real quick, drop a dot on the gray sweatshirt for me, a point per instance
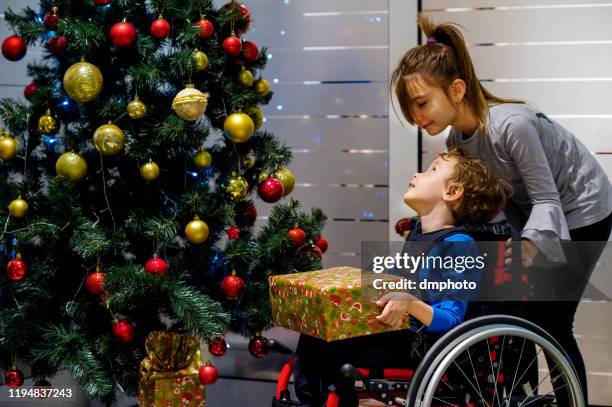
(557, 184)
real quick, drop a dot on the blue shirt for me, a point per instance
(448, 313)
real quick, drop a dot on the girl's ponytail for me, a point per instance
(440, 61)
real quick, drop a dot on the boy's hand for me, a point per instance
(396, 306)
(528, 252)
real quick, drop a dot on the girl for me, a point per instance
(560, 192)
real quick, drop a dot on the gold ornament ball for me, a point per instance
(264, 175)
(286, 178)
(248, 161)
(18, 207)
(136, 109)
(108, 139)
(71, 166)
(190, 104)
(237, 188)
(202, 158)
(200, 60)
(256, 115)
(239, 126)
(196, 231)
(262, 87)
(83, 81)
(245, 77)
(8, 146)
(149, 171)
(47, 124)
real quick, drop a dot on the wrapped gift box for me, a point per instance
(169, 372)
(330, 304)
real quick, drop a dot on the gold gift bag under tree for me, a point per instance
(329, 304)
(169, 372)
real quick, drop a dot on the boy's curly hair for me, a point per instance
(484, 194)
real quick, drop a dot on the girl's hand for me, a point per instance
(396, 306)
(528, 252)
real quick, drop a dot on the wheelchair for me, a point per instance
(493, 359)
(483, 362)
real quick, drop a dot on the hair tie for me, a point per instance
(431, 40)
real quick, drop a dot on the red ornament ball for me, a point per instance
(233, 233)
(310, 248)
(217, 346)
(14, 48)
(13, 378)
(206, 28)
(57, 45)
(95, 282)
(321, 243)
(208, 374)
(257, 346)
(29, 91)
(124, 331)
(270, 190)
(160, 28)
(248, 212)
(297, 235)
(232, 286)
(156, 265)
(123, 34)
(250, 52)
(101, 2)
(16, 268)
(232, 45)
(51, 19)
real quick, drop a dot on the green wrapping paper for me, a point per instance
(328, 304)
(169, 373)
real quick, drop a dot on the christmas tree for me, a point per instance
(127, 187)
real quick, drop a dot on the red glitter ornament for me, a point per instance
(232, 286)
(160, 28)
(217, 346)
(156, 265)
(95, 282)
(250, 52)
(297, 235)
(206, 28)
(123, 34)
(270, 190)
(57, 45)
(321, 243)
(51, 19)
(232, 45)
(257, 346)
(13, 377)
(124, 330)
(16, 268)
(208, 374)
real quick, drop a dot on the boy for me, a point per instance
(456, 189)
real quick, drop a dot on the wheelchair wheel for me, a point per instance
(493, 361)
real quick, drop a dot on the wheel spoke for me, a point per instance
(445, 402)
(495, 394)
(469, 381)
(526, 370)
(476, 377)
(499, 363)
(541, 381)
(543, 395)
(509, 397)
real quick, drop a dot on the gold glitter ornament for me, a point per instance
(109, 139)
(71, 166)
(190, 104)
(196, 231)
(245, 77)
(18, 207)
(47, 124)
(149, 171)
(136, 109)
(83, 81)
(239, 126)
(200, 60)
(262, 87)
(202, 158)
(248, 161)
(286, 178)
(256, 115)
(8, 146)
(237, 188)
